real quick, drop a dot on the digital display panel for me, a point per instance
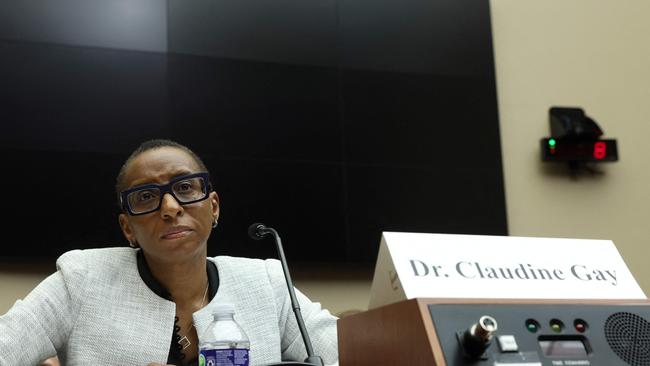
(563, 348)
(572, 150)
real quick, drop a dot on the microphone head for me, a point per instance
(255, 231)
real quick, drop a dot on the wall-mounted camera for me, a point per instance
(575, 139)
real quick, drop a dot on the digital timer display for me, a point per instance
(577, 150)
(564, 348)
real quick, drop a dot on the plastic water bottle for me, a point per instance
(224, 342)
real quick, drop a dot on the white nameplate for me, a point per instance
(412, 265)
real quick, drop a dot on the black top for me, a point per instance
(176, 355)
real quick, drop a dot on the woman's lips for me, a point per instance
(176, 232)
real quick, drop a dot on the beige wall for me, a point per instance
(589, 53)
(18, 279)
(339, 288)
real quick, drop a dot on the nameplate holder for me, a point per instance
(418, 265)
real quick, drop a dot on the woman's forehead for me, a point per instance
(159, 165)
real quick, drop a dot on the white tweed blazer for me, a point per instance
(96, 310)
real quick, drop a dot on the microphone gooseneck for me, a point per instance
(258, 231)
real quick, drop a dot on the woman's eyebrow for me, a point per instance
(180, 173)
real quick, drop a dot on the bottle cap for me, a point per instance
(223, 309)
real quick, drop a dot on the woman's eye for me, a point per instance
(145, 196)
(184, 186)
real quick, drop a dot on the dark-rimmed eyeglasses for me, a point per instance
(147, 198)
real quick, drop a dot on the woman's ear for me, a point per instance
(126, 228)
(214, 199)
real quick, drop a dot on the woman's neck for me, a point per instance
(186, 280)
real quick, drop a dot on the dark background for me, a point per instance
(330, 120)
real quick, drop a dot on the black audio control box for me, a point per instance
(545, 334)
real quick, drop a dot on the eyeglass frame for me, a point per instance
(164, 189)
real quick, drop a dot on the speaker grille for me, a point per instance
(629, 337)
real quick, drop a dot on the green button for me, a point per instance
(532, 328)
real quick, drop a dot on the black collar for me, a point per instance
(176, 356)
(158, 289)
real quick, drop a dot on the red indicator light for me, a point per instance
(600, 150)
(580, 325)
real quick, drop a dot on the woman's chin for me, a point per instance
(178, 248)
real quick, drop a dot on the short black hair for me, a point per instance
(151, 145)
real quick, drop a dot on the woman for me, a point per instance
(142, 305)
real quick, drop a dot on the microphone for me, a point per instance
(259, 231)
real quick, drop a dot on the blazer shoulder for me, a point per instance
(248, 270)
(243, 264)
(100, 261)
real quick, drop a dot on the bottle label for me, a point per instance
(224, 357)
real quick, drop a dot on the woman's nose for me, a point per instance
(169, 207)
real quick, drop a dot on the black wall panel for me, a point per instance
(61, 98)
(331, 120)
(125, 24)
(284, 31)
